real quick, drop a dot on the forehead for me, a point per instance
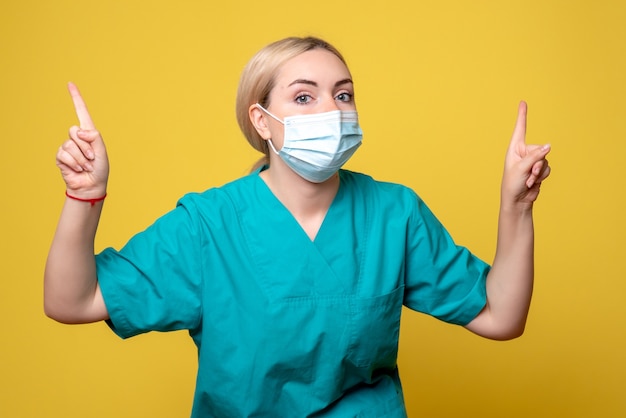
(317, 65)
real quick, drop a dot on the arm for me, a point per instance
(510, 281)
(71, 291)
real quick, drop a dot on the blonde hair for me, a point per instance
(259, 77)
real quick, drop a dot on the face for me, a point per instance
(315, 81)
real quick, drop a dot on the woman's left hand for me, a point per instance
(525, 166)
(510, 280)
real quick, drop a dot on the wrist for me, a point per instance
(87, 199)
(514, 206)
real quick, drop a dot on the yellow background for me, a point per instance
(438, 83)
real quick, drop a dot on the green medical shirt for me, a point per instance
(286, 326)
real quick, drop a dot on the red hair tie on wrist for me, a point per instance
(92, 201)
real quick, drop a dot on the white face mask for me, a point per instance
(316, 146)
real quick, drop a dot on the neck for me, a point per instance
(308, 202)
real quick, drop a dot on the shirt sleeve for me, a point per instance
(442, 279)
(154, 282)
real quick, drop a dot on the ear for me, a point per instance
(259, 121)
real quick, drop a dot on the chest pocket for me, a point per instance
(375, 329)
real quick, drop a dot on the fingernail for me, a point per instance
(89, 154)
(88, 167)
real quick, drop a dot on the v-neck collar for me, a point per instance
(276, 206)
(282, 251)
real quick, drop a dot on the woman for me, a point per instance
(291, 280)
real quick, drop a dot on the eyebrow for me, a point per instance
(313, 83)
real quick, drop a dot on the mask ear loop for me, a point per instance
(269, 113)
(269, 140)
(271, 144)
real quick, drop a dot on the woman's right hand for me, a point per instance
(83, 159)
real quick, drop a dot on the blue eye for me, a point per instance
(344, 97)
(303, 99)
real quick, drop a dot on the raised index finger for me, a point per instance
(81, 108)
(519, 134)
